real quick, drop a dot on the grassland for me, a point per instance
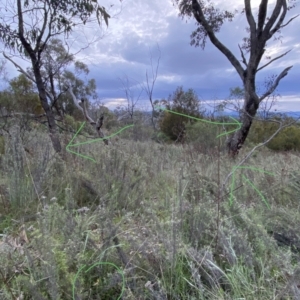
(147, 221)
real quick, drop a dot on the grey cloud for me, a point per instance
(207, 71)
(142, 24)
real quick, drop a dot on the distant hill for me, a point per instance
(292, 114)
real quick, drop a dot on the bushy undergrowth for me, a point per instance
(287, 139)
(147, 221)
(203, 134)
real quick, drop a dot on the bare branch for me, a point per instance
(76, 103)
(289, 21)
(243, 57)
(262, 13)
(149, 86)
(88, 118)
(267, 32)
(273, 60)
(250, 20)
(149, 89)
(199, 16)
(281, 19)
(275, 84)
(19, 68)
(54, 99)
(132, 100)
(85, 113)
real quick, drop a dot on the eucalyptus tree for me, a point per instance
(263, 25)
(55, 61)
(60, 70)
(26, 27)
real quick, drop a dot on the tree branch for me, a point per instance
(262, 13)
(275, 84)
(88, 118)
(281, 19)
(56, 98)
(243, 57)
(150, 87)
(85, 113)
(76, 103)
(251, 21)
(273, 60)
(20, 17)
(289, 21)
(275, 14)
(25, 44)
(40, 36)
(19, 68)
(149, 90)
(199, 16)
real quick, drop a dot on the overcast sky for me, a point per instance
(141, 26)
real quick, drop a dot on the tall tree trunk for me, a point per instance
(251, 104)
(49, 114)
(35, 56)
(54, 103)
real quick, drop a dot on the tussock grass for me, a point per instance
(156, 213)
